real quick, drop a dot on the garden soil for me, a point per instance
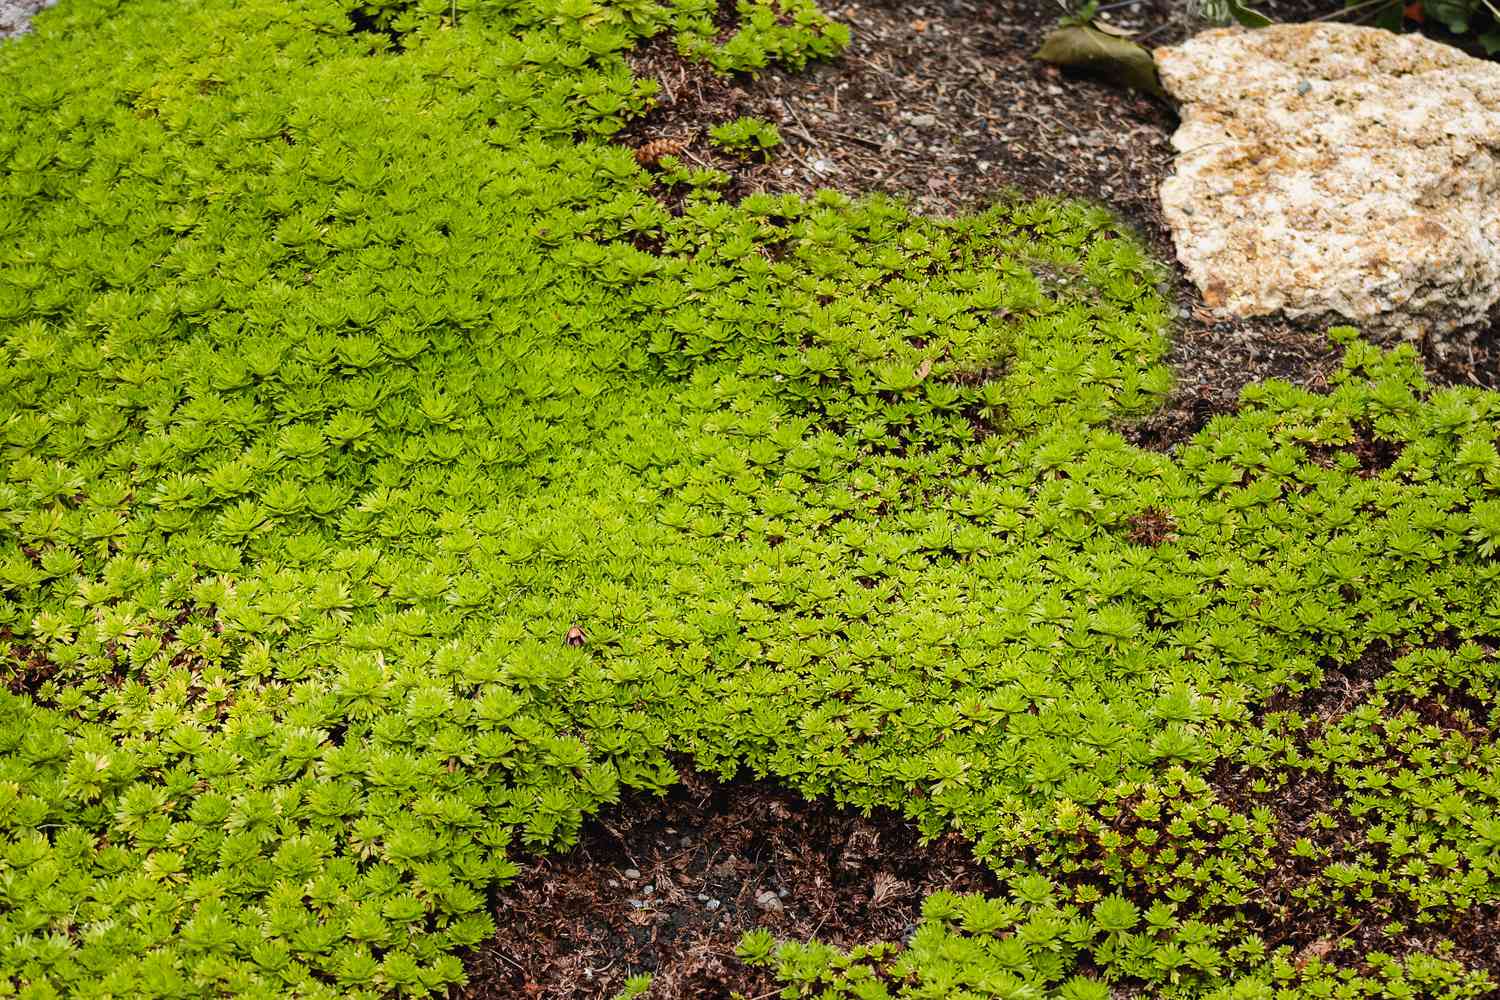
(671, 884)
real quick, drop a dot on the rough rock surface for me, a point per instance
(1331, 168)
(16, 15)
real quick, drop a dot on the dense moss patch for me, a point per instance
(390, 479)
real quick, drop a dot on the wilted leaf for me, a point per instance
(1084, 47)
(1246, 16)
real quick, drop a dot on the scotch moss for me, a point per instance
(347, 368)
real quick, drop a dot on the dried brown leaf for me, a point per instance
(887, 887)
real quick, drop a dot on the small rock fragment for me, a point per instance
(631, 873)
(768, 901)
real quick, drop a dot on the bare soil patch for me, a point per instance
(670, 885)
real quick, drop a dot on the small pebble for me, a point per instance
(649, 889)
(768, 901)
(703, 897)
(1303, 87)
(712, 904)
(636, 904)
(783, 893)
(614, 883)
(924, 120)
(631, 873)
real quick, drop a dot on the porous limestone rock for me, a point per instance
(16, 15)
(1336, 168)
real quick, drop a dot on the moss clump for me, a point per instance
(339, 386)
(746, 137)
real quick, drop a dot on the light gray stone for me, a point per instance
(16, 15)
(1333, 168)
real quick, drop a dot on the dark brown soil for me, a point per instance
(1308, 797)
(1282, 915)
(1372, 455)
(1342, 687)
(1309, 806)
(942, 102)
(710, 861)
(29, 675)
(29, 671)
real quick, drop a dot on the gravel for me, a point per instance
(16, 15)
(769, 901)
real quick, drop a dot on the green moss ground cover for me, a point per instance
(347, 367)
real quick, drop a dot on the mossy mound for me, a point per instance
(348, 371)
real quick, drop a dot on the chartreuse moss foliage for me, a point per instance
(746, 136)
(340, 383)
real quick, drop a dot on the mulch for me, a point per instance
(669, 885)
(941, 103)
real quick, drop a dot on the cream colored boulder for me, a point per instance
(1331, 168)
